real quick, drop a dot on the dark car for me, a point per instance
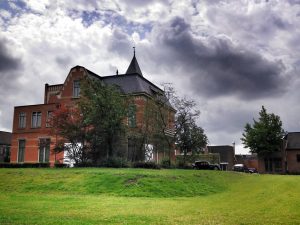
(252, 170)
(205, 165)
(243, 168)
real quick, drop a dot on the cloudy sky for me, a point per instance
(231, 56)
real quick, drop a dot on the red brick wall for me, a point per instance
(291, 158)
(251, 163)
(32, 147)
(31, 135)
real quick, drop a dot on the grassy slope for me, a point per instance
(131, 196)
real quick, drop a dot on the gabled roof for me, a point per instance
(134, 67)
(133, 84)
(293, 140)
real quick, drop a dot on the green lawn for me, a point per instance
(136, 196)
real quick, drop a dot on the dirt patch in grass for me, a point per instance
(133, 181)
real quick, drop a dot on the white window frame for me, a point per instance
(24, 148)
(44, 148)
(22, 120)
(36, 119)
(76, 89)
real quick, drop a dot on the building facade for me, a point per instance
(5, 143)
(33, 141)
(285, 161)
(226, 153)
(292, 153)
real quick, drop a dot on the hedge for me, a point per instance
(24, 165)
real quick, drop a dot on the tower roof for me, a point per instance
(134, 66)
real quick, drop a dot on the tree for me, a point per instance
(103, 109)
(198, 139)
(67, 123)
(189, 137)
(91, 126)
(154, 133)
(265, 135)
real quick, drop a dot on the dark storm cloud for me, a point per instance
(216, 67)
(294, 2)
(9, 70)
(11, 86)
(236, 118)
(7, 62)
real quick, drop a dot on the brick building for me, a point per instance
(226, 153)
(287, 160)
(33, 142)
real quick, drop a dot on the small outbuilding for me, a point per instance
(226, 153)
(5, 143)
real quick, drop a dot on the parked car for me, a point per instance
(243, 168)
(205, 165)
(252, 170)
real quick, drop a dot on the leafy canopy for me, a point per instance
(103, 109)
(189, 136)
(265, 135)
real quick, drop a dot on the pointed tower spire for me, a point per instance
(134, 66)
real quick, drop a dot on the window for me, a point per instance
(298, 157)
(268, 165)
(76, 88)
(49, 119)
(44, 150)
(22, 120)
(36, 119)
(277, 164)
(132, 116)
(21, 151)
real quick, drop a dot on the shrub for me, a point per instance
(146, 165)
(84, 164)
(61, 165)
(166, 163)
(24, 165)
(115, 162)
(181, 165)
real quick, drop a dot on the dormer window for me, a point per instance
(76, 88)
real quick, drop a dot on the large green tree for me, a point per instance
(103, 109)
(265, 135)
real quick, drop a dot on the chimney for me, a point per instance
(46, 93)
